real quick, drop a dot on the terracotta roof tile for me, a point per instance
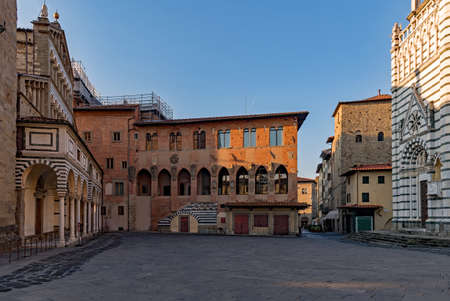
(300, 179)
(371, 167)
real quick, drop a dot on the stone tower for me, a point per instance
(8, 90)
(420, 77)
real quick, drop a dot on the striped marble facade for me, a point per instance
(420, 68)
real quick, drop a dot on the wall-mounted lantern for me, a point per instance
(2, 27)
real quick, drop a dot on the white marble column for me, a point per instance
(95, 218)
(84, 218)
(72, 219)
(89, 217)
(78, 217)
(62, 241)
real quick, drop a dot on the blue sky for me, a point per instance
(207, 57)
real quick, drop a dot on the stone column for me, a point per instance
(84, 218)
(72, 219)
(95, 218)
(62, 241)
(89, 215)
(78, 217)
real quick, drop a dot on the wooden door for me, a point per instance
(241, 224)
(38, 219)
(281, 225)
(423, 202)
(184, 223)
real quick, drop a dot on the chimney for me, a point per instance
(379, 92)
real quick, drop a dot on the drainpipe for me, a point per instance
(128, 173)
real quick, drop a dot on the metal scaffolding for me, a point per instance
(147, 102)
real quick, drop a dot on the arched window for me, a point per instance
(204, 182)
(224, 181)
(164, 179)
(154, 142)
(380, 136)
(242, 181)
(184, 182)
(358, 138)
(199, 140)
(172, 141)
(143, 183)
(179, 142)
(261, 181)
(281, 180)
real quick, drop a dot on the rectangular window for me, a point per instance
(78, 155)
(260, 220)
(103, 210)
(328, 176)
(250, 137)
(223, 139)
(124, 164)
(136, 136)
(349, 198)
(365, 179)
(276, 136)
(118, 188)
(120, 210)
(304, 191)
(365, 197)
(110, 163)
(116, 136)
(380, 179)
(87, 136)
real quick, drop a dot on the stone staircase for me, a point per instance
(400, 239)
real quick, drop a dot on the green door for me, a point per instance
(364, 223)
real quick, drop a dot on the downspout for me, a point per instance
(357, 188)
(128, 173)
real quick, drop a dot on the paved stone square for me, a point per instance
(144, 266)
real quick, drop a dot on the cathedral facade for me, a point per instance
(421, 118)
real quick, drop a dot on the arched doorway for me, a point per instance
(203, 182)
(184, 182)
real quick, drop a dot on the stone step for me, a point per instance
(401, 239)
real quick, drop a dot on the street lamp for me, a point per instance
(2, 27)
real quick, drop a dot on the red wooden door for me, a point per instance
(281, 224)
(184, 223)
(241, 224)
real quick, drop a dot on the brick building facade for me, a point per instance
(233, 174)
(362, 136)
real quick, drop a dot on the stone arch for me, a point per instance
(24, 166)
(242, 181)
(164, 183)
(204, 182)
(143, 182)
(412, 151)
(184, 182)
(39, 196)
(224, 181)
(281, 180)
(261, 181)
